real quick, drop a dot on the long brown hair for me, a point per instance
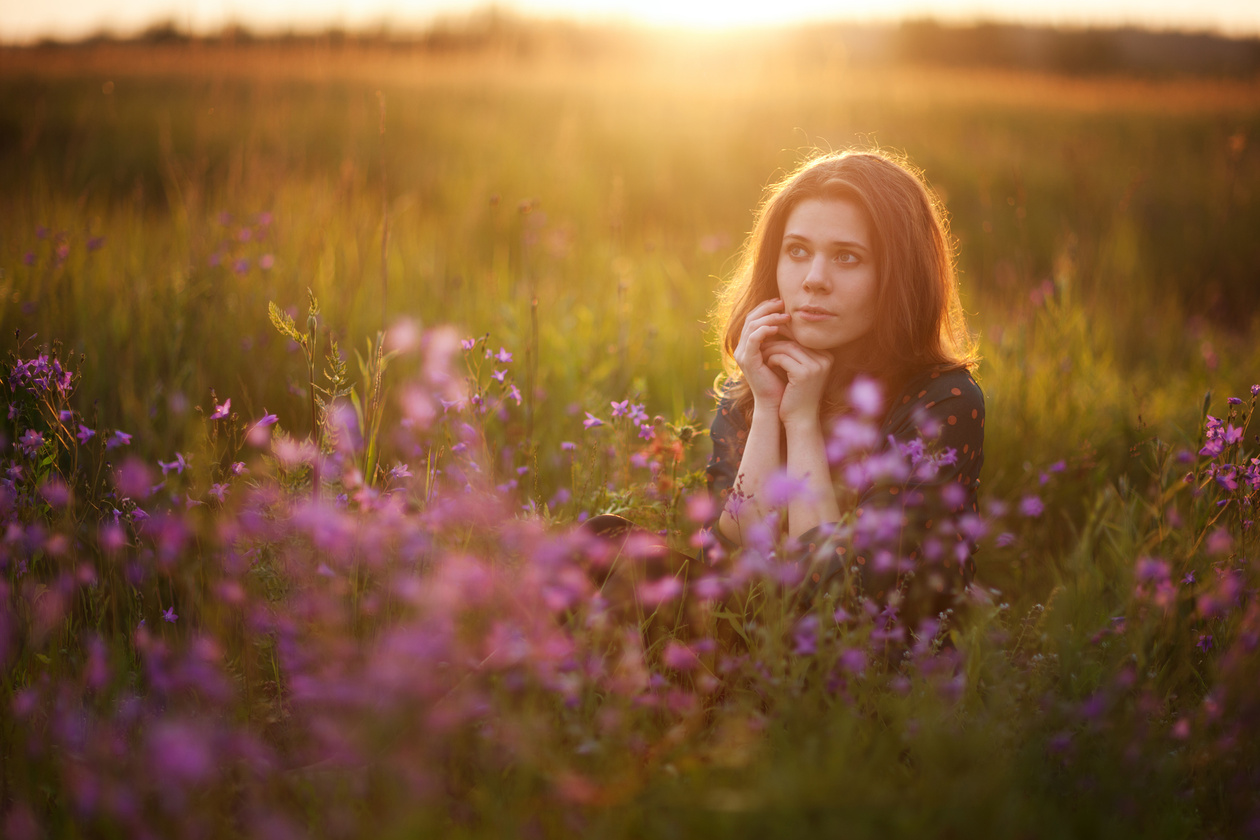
(919, 322)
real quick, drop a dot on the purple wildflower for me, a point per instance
(221, 411)
(503, 356)
(468, 343)
(30, 442)
(679, 657)
(853, 660)
(647, 431)
(1031, 506)
(1234, 401)
(806, 636)
(267, 420)
(567, 446)
(1151, 569)
(866, 396)
(654, 593)
(169, 615)
(1205, 642)
(591, 421)
(498, 375)
(119, 438)
(178, 464)
(620, 409)
(514, 393)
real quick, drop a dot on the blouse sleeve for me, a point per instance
(728, 433)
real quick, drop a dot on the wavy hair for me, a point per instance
(919, 323)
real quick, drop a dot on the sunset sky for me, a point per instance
(20, 21)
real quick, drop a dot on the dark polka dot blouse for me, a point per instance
(943, 410)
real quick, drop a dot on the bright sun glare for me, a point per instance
(73, 18)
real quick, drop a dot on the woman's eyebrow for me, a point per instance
(845, 243)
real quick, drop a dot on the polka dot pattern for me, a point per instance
(945, 408)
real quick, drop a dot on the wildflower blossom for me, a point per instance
(30, 442)
(169, 615)
(853, 660)
(117, 439)
(177, 465)
(679, 657)
(806, 636)
(866, 396)
(468, 343)
(620, 409)
(221, 411)
(1031, 506)
(591, 421)
(654, 593)
(503, 356)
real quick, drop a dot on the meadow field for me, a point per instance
(317, 355)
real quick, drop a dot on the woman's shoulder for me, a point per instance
(929, 388)
(948, 399)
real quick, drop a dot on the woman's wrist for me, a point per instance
(802, 423)
(765, 411)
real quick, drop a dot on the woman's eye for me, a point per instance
(796, 251)
(846, 257)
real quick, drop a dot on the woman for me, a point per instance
(848, 279)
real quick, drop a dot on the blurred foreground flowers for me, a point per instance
(279, 635)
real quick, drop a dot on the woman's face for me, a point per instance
(826, 273)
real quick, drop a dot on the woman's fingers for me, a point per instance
(792, 358)
(766, 312)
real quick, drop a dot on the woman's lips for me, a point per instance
(814, 313)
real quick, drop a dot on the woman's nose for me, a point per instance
(816, 279)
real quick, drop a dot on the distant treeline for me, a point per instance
(1074, 51)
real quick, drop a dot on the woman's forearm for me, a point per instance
(816, 503)
(760, 460)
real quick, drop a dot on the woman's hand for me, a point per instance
(756, 341)
(806, 371)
